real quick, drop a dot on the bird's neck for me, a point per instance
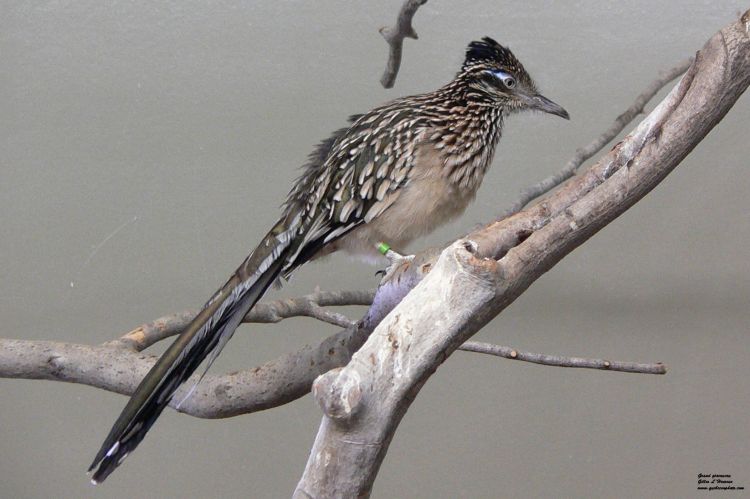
(466, 132)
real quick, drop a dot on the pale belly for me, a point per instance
(425, 204)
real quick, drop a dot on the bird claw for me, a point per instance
(398, 262)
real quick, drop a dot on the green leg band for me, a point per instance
(383, 248)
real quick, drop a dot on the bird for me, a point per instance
(392, 175)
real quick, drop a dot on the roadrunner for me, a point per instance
(394, 174)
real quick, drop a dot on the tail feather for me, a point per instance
(204, 337)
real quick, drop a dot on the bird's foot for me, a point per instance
(398, 263)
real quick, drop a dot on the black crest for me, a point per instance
(488, 51)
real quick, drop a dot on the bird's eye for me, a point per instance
(506, 78)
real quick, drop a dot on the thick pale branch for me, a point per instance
(395, 37)
(474, 280)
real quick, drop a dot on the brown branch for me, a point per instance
(559, 361)
(584, 153)
(310, 305)
(120, 370)
(395, 37)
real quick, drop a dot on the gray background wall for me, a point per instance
(146, 147)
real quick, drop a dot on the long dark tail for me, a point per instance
(206, 334)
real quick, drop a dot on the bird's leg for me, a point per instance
(397, 261)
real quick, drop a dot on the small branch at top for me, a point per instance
(395, 37)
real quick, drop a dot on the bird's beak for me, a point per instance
(542, 103)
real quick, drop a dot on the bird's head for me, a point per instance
(494, 72)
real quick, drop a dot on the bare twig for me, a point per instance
(304, 306)
(310, 305)
(317, 312)
(559, 361)
(395, 37)
(596, 145)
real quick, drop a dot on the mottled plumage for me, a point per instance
(394, 174)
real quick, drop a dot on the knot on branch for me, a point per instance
(338, 393)
(469, 259)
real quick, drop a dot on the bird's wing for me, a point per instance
(361, 177)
